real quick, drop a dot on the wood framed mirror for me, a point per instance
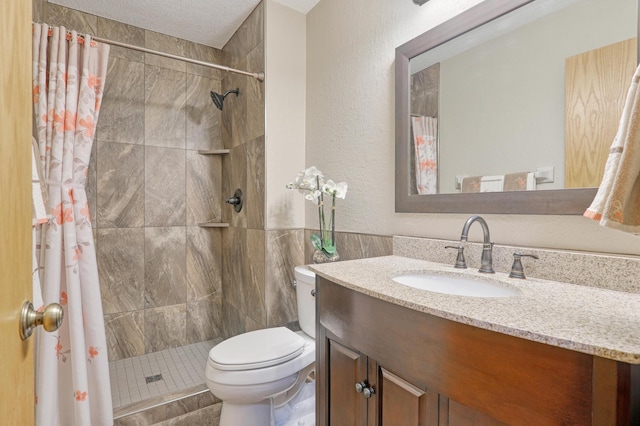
(571, 201)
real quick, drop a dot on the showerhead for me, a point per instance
(218, 99)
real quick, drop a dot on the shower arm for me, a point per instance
(259, 75)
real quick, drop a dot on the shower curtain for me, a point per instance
(72, 371)
(425, 141)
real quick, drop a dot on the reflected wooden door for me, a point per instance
(596, 88)
(16, 368)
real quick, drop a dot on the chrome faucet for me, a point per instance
(486, 261)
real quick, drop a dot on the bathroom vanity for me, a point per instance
(554, 353)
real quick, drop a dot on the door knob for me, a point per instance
(50, 318)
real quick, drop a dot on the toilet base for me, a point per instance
(256, 414)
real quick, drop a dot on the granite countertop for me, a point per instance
(595, 321)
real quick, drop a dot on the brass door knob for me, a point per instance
(50, 318)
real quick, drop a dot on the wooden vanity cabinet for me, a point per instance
(425, 370)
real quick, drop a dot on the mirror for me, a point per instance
(454, 58)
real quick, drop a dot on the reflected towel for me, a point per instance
(482, 184)
(470, 184)
(38, 190)
(617, 202)
(523, 181)
(492, 183)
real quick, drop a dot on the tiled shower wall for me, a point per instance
(160, 274)
(258, 264)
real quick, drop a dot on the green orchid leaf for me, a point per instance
(316, 241)
(329, 249)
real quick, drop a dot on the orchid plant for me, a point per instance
(310, 182)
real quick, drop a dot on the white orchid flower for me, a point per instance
(339, 190)
(310, 183)
(313, 196)
(307, 180)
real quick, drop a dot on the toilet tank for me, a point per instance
(306, 284)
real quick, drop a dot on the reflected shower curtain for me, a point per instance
(425, 137)
(72, 371)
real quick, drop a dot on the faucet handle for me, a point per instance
(516, 269)
(460, 261)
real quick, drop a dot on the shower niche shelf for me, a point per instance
(213, 225)
(214, 152)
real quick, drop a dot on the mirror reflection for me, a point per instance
(530, 101)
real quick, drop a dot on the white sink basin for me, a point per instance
(455, 285)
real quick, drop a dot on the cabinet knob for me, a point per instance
(366, 390)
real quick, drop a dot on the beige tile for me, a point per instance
(165, 266)
(235, 177)
(204, 53)
(254, 93)
(253, 287)
(165, 183)
(204, 186)
(233, 322)
(120, 256)
(120, 185)
(285, 251)
(207, 416)
(165, 107)
(204, 319)
(122, 113)
(353, 246)
(38, 10)
(203, 129)
(166, 44)
(165, 327)
(248, 36)
(69, 18)
(234, 255)
(117, 31)
(125, 334)
(255, 190)
(204, 263)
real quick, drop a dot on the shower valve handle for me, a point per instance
(236, 201)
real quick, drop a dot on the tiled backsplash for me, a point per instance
(611, 272)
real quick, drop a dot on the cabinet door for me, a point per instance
(452, 413)
(403, 404)
(346, 368)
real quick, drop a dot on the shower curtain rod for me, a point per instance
(258, 75)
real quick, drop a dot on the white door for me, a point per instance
(16, 365)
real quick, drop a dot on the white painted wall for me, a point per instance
(285, 98)
(350, 129)
(485, 86)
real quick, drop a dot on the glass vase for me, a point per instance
(320, 257)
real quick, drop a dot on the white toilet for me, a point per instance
(256, 372)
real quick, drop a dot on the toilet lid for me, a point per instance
(257, 349)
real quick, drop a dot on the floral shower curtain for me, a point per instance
(425, 141)
(72, 371)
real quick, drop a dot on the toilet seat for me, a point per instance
(256, 376)
(257, 349)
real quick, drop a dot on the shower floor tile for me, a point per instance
(159, 373)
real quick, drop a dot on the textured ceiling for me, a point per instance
(209, 22)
